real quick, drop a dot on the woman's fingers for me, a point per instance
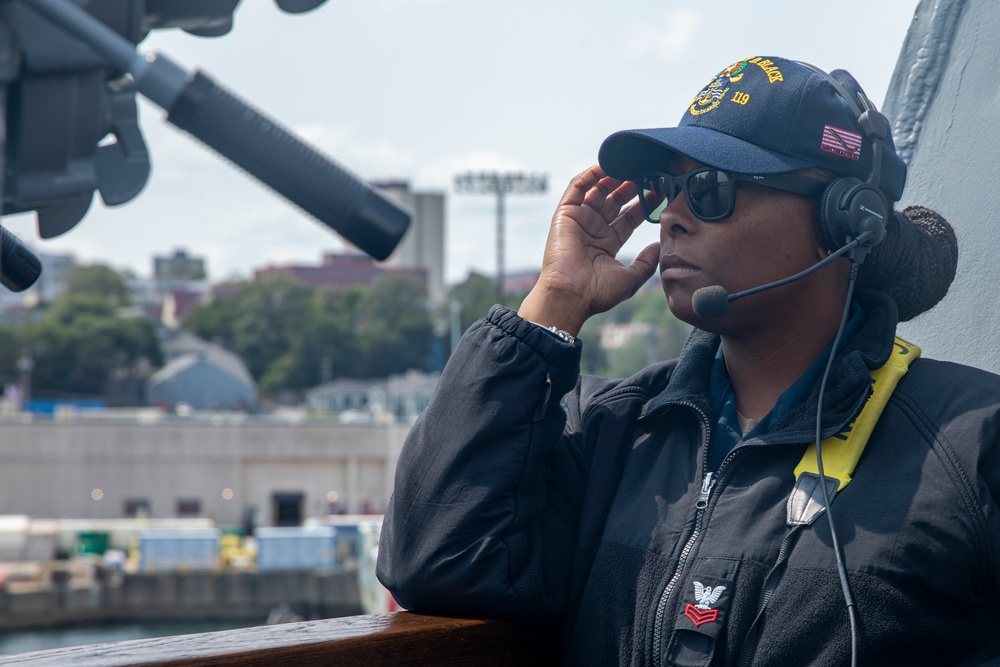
(581, 184)
(629, 219)
(608, 196)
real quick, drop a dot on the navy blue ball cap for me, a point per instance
(762, 115)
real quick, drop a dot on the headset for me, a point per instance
(852, 220)
(852, 212)
(850, 206)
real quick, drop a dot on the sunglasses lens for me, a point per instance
(710, 194)
(654, 200)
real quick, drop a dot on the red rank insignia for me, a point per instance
(700, 617)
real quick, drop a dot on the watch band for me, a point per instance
(565, 336)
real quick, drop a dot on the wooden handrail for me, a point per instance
(401, 638)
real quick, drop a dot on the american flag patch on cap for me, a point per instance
(841, 142)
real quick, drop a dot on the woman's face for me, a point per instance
(770, 235)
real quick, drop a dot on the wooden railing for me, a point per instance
(401, 638)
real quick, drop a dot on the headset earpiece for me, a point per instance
(850, 206)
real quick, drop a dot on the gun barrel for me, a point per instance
(251, 140)
(279, 159)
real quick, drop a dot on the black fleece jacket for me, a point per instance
(596, 511)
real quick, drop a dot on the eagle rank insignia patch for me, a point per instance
(706, 596)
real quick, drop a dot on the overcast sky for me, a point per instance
(421, 90)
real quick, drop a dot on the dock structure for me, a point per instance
(233, 469)
(67, 593)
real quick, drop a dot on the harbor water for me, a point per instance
(23, 641)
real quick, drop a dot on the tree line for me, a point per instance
(657, 336)
(86, 343)
(91, 338)
(292, 337)
(92, 342)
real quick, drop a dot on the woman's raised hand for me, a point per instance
(580, 275)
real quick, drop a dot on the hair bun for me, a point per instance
(915, 264)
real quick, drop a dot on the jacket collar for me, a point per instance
(847, 389)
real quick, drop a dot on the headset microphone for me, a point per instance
(713, 301)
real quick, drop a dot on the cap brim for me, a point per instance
(629, 154)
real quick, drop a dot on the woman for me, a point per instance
(679, 516)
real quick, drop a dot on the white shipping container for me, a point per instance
(13, 536)
(42, 538)
(169, 550)
(296, 548)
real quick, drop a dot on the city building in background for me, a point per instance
(56, 269)
(396, 399)
(180, 267)
(339, 270)
(179, 283)
(424, 243)
(520, 282)
(16, 307)
(188, 457)
(351, 398)
(177, 303)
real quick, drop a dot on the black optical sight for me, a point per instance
(68, 83)
(19, 265)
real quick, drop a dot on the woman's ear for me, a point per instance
(822, 249)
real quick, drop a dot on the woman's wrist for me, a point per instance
(554, 312)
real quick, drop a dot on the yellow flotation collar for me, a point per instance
(842, 451)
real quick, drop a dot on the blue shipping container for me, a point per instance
(169, 550)
(296, 548)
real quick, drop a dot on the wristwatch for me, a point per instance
(564, 336)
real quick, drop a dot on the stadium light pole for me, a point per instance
(500, 185)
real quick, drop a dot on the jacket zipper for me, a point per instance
(708, 481)
(706, 489)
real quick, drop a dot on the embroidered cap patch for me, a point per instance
(841, 142)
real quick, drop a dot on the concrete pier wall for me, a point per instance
(102, 469)
(175, 596)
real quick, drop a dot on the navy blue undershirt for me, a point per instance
(726, 435)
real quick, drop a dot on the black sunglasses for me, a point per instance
(711, 193)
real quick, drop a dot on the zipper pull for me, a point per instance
(706, 489)
(543, 406)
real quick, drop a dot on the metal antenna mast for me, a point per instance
(500, 185)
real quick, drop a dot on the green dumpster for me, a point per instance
(92, 542)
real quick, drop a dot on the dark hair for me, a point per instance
(916, 262)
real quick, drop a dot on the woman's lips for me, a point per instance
(673, 267)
